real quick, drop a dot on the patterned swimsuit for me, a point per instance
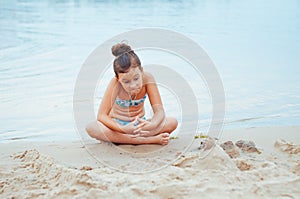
(127, 104)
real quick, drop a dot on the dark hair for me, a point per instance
(125, 58)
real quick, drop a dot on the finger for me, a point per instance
(144, 121)
(141, 120)
(140, 125)
(135, 120)
(138, 130)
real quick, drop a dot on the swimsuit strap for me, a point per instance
(130, 102)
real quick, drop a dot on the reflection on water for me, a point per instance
(254, 45)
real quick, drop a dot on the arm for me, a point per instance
(106, 105)
(156, 104)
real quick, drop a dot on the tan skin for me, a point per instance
(134, 84)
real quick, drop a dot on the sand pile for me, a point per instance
(36, 175)
(287, 147)
(208, 172)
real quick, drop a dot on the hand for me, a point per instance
(134, 127)
(144, 128)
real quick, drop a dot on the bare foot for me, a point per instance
(162, 138)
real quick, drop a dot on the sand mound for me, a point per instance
(287, 147)
(216, 159)
(205, 173)
(39, 176)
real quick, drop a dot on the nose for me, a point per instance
(132, 85)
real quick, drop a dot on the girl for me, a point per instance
(120, 117)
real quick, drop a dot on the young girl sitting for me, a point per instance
(120, 117)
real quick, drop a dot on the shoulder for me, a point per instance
(113, 86)
(148, 78)
(113, 82)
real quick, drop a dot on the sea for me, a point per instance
(254, 46)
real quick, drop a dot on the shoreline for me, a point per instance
(67, 169)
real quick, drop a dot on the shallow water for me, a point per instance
(254, 45)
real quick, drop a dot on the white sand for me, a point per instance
(67, 170)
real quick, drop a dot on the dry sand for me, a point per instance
(68, 170)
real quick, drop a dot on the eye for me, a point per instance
(136, 77)
(126, 82)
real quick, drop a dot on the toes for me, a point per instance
(164, 135)
(165, 139)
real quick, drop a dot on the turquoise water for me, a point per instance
(254, 44)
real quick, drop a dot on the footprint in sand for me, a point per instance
(230, 149)
(247, 146)
(287, 147)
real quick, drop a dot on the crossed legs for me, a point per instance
(99, 131)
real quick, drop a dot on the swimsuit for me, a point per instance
(127, 104)
(123, 122)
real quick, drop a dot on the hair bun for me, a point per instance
(120, 48)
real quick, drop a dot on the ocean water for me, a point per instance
(255, 46)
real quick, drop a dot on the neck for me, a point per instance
(132, 97)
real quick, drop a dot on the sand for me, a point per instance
(68, 169)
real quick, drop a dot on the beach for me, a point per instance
(45, 151)
(68, 170)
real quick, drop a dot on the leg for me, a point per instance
(99, 131)
(170, 125)
(167, 126)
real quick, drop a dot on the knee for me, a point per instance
(90, 129)
(172, 124)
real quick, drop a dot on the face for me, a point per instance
(132, 81)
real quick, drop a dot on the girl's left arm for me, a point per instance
(155, 101)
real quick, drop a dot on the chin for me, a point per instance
(135, 91)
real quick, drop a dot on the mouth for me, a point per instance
(135, 91)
